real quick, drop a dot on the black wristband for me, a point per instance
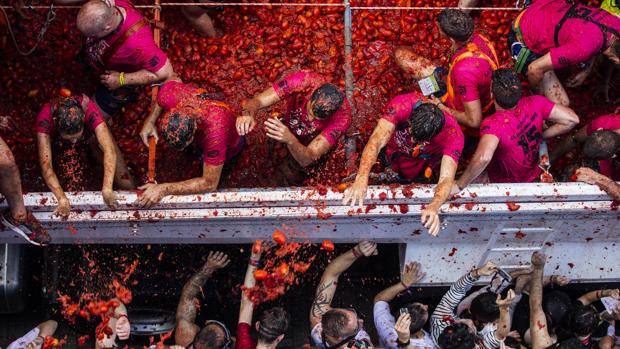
(400, 344)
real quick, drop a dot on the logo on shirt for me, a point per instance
(154, 61)
(564, 61)
(462, 90)
(213, 153)
(283, 84)
(44, 124)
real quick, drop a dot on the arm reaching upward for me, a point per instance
(186, 311)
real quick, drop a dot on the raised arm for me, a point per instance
(246, 309)
(186, 330)
(538, 322)
(247, 120)
(106, 143)
(379, 139)
(410, 275)
(153, 193)
(479, 162)
(430, 215)
(329, 281)
(594, 296)
(49, 176)
(564, 119)
(46, 329)
(505, 320)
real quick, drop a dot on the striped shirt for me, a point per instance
(444, 314)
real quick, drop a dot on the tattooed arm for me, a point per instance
(327, 286)
(186, 330)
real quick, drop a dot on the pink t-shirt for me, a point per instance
(520, 133)
(471, 77)
(216, 135)
(92, 118)
(578, 39)
(611, 122)
(400, 150)
(138, 52)
(297, 88)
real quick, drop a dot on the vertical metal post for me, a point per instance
(157, 38)
(350, 142)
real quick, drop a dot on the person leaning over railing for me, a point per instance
(317, 115)
(419, 139)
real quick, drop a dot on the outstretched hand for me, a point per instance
(367, 248)
(412, 274)
(217, 261)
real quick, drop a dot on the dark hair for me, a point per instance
(68, 115)
(484, 308)
(601, 145)
(512, 342)
(556, 304)
(178, 128)
(456, 336)
(582, 320)
(456, 24)
(326, 100)
(418, 317)
(209, 338)
(571, 343)
(506, 88)
(334, 323)
(273, 323)
(426, 121)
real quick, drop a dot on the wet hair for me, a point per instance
(506, 88)
(94, 17)
(601, 145)
(178, 127)
(68, 115)
(484, 308)
(556, 304)
(273, 323)
(426, 121)
(456, 24)
(326, 100)
(418, 317)
(210, 338)
(582, 320)
(456, 336)
(334, 323)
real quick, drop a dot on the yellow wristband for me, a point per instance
(121, 78)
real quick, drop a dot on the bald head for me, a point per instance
(96, 19)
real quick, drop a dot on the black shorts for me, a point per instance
(512, 39)
(111, 101)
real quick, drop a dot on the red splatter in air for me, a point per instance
(82, 340)
(50, 342)
(327, 245)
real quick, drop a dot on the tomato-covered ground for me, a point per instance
(259, 44)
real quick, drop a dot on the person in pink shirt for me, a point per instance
(317, 115)
(120, 46)
(510, 138)
(77, 119)
(556, 34)
(466, 91)
(191, 117)
(420, 139)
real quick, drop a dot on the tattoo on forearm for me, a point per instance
(187, 304)
(322, 299)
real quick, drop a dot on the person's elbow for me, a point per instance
(207, 184)
(165, 73)
(572, 120)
